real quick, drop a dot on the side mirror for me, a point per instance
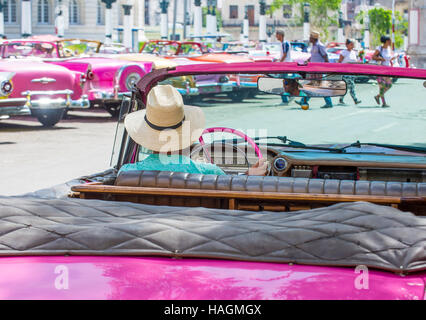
(302, 88)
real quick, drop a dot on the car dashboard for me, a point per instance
(373, 164)
(350, 166)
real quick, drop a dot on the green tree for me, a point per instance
(324, 13)
(381, 24)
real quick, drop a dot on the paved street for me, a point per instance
(403, 123)
(33, 157)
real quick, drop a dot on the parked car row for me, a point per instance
(64, 74)
(47, 76)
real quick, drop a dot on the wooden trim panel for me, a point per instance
(246, 195)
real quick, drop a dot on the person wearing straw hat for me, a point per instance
(169, 128)
(318, 54)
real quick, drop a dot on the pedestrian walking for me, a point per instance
(285, 46)
(384, 56)
(318, 54)
(349, 56)
(284, 57)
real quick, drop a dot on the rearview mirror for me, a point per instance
(302, 87)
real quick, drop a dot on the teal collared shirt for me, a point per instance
(174, 163)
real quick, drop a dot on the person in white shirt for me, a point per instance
(384, 56)
(349, 56)
(285, 56)
(285, 46)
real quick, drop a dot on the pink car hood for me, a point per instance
(187, 279)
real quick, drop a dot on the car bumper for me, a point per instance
(215, 88)
(46, 100)
(188, 92)
(245, 82)
(251, 85)
(100, 95)
(20, 110)
(207, 88)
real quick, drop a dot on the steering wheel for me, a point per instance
(249, 140)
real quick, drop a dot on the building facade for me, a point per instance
(234, 12)
(86, 18)
(417, 33)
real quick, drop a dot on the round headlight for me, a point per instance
(131, 80)
(90, 75)
(280, 164)
(6, 87)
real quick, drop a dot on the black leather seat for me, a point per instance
(179, 180)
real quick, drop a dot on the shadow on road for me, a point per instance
(28, 123)
(31, 126)
(370, 107)
(87, 118)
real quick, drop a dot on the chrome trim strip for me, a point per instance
(47, 93)
(44, 80)
(15, 111)
(215, 84)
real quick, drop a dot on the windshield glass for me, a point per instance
(114, 48)
(77, 47)
(271, 47)
(234, 101)
(160, 48)
(29, 49)
(190, 49)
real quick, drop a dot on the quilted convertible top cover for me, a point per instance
(347, 234)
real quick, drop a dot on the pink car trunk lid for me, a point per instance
(187, 279)
(37, 76)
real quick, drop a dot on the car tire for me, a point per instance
(362, 79)
(192, 99)
(65, 114)
(252, 94)
(113, 109)
(48, 117)
(238, 95)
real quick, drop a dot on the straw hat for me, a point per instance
(166, 125)
(315, 34)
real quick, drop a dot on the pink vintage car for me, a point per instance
(39, 89)
(106, 79)
(332, 220)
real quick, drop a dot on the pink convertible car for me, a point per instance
(106, 80)
(340, 214)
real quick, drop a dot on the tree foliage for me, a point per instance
(381, 24)
(323, 13)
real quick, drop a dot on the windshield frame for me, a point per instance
(144, 86)
(150, 80)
